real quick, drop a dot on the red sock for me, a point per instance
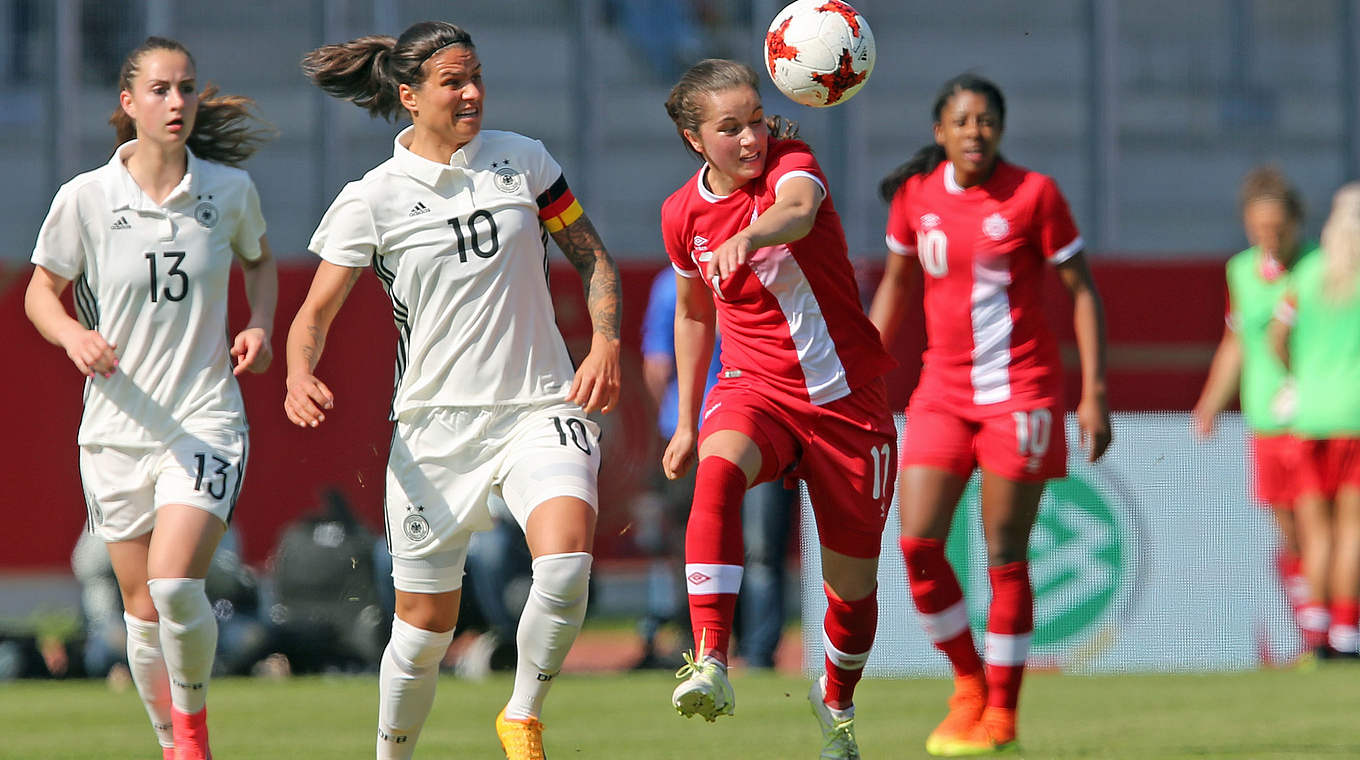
(1314, 620)
(1290, 568)
(939, 600)
(847, 636)
(1010, 626)
(1343, 634)
(714, 553)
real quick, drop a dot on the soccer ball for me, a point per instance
(819, 52)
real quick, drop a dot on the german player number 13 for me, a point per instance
(217, 478)
(173, 275)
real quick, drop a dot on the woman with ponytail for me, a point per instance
(148, 241)
(990, 394)
(487, 404)
(1317, 336)
(759, 252)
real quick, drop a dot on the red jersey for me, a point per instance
(982, 250)
(791, 319)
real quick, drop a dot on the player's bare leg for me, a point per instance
(146, 661)
(1313, 517)
(182, 547)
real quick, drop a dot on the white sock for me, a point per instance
(188, 639)
(406, 682)
(147, 665)
(547, 628)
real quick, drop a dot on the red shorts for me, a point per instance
(1326, 465)
(1024, 445)
(1277, 469)
(844, 451)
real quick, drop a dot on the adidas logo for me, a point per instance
(418, 209)
(121, 224)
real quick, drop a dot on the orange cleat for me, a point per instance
(965, 709)
(993, 734)
(521, 739)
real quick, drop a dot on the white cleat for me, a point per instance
(838, 736)
(705, 692)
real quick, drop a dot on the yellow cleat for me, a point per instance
(521, 739)
(965, 710)
(993, 734)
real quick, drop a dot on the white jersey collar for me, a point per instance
(704, 192)
(130, 195)
(425, 170)
(951, 184)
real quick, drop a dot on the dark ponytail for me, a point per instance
(923, 161)
(369, 70)
(223, 132)
(929, 157)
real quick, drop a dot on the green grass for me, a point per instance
(1269, 714)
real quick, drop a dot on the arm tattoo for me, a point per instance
(316, 336)
(583, 248)
(311, 350)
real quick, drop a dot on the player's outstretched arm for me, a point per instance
(597, 381)
(1088, 320)
(252, 348)
(791, 217)
(307, 397)
(87, 349)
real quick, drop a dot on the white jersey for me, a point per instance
(152, 279)
(461, 250)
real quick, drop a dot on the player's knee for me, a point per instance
(919, 553)
(416, 649)
(562, 580)
(179, 600)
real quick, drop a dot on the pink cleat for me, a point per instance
(191, 735)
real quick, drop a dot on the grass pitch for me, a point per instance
(1267, 714)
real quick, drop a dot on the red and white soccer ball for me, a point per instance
(819, 52)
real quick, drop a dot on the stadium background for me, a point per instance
(1147, 114)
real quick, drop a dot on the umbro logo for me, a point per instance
(697, 578)
(121, 224)
(700, 243)
(418, 209)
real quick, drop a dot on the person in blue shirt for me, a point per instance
(767, 514)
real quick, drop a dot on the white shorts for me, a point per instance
(124, 486)
(448, 464)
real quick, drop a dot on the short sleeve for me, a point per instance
(347, 235)
(672, 237)
(1057, 234)
(61, 247)
(250, 226)
(1230, 317)
(658, 324)
(796, 160)
(901, 234)
(557, 205)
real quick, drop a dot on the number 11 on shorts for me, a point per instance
(883, 467)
